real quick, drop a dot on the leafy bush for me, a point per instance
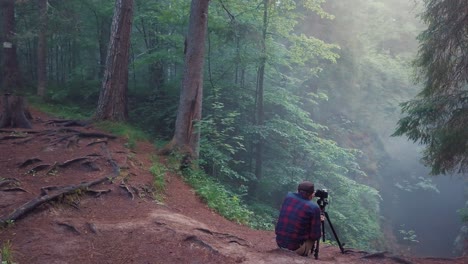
(131, 133)
(158, 171)
(217, 197)
(60, 110)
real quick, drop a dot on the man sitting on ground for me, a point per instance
(299, 223)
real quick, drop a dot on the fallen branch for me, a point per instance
(34, 203)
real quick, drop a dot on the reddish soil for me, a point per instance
(114, 227)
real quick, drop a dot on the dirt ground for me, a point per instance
(118, 221)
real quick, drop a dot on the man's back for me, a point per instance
(299, 220)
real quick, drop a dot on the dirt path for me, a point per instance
(119, 222)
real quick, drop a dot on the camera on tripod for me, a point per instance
(323, 194)
(322, 202)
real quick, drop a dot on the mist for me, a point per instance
(378, 42)
(414, 200)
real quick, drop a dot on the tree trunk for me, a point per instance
(11, 75)
(112, 103)
(13, 106)
(13, 112)
(187, 136)
(42, 50)
(102, 26)
(260, 92)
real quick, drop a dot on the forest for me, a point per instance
(365, 98)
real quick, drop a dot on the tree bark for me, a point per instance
(260, 92)
(187, 136)
(11, 77)
(112, 104)
(42, 50)
(13, 112)
(12, 104)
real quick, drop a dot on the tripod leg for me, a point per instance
(323, 231)
(334, 233)
(316, 250)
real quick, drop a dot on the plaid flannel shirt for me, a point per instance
(299, 220)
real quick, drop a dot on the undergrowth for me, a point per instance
(7, 253)
(74, 112)
(132, 134)
(158, 171)
(218, 197)
(215, 194)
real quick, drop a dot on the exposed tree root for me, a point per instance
(53, 168)
(97, 142)
(14, 189)
(8, 182)
(55, 136)
(231, 238)
(28, 131)
(38, 168)
(52, 193)
(12, 137)
(98, 193)
(196, 240)
(125, 187)
(68, 123)
(29, 162)
(92, 227)
(69, 162)
(46, 197)
(69, 227)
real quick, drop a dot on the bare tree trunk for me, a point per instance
(187, 136)
(13, 106)
(112, 103)
(260, 92)
(13, 112)
(11, 74)
(42, 50)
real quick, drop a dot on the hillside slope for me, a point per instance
(117, 220)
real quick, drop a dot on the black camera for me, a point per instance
(323, 194)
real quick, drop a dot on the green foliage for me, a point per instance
(438, 116)
(264, 217)
(220, 142)
(305, 76)
(131, 133)
(158, 171)
(217, 196)
(423, 183)
(7, 253)
(408, 235)
(76, 112)
(463, 214)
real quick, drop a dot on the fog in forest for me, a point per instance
(332, 81)
(421, 203)
(418, 209)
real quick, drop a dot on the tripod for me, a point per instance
(322, 202)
